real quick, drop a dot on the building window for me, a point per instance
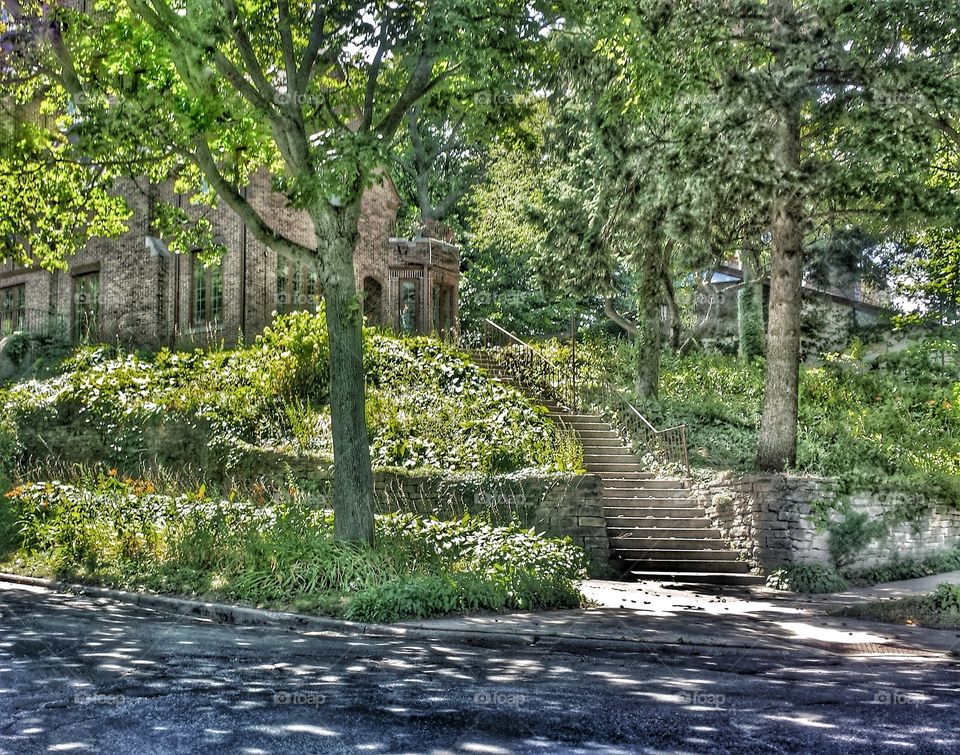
(298, 286)
(284, 304)
(446, 313)
(207, 293)
(13, 309)
(372, 301)
(86, 308)
(409, 305)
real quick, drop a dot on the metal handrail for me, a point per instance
(530, 365)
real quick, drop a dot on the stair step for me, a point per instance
(633, 550)
(630, 478)
(603, 445)
(667, 483)
(612, 467)
(604, 434)
(680, 565)
(699, 578)
(623, 535)
(611, 456)
(637, 488)
(652, 513)
(690, 533)
(619, 497)
(670, 523)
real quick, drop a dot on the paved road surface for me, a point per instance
(78, 674)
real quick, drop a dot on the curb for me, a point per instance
(224, 613)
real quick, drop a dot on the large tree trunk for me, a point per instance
(352, 472)
(778, 426)
(649, 337)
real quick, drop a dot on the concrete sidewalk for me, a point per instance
(904, 589)
(745, 618)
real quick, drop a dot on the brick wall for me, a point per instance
(148, 300)
(771, 519)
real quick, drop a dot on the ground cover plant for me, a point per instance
(280, 553)
(427, 406)
(936, 610)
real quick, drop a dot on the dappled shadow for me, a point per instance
(78, 673)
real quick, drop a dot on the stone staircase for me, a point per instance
(657, 531)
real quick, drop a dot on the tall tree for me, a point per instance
(830, 112)
(208, 92)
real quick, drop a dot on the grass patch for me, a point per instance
(122, 533)
(937, 610)
(822, 578)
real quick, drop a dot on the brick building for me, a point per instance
(132, 290)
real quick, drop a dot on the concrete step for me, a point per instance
(678, 512)
(631, 549)
(603, 445)
(630, 478)
(698, 578)
(623, 497)
(635, 488)
(610, 468)
(610, 456)
(643, 530)
(587, 418)
(623, 537)
(669, 484)
(671, 523)
(605, 434)
(683, 564)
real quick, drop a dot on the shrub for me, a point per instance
(122, 532)
(10, 448)
(946, 598)
(807, 578)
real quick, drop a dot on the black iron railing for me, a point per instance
(530, 366)
(41, 322)
(563, 382)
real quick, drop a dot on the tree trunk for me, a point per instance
(352, 472)
(778, 426)
(649, 337)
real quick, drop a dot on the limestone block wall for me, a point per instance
(773, 519)
(557, 505)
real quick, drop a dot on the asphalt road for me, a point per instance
(78, 674)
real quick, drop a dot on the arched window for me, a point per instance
(372, 301)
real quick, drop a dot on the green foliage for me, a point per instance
(851, 535)
(427, 406)
(10, 448)
(907, 568)
(123, 532)
(946, 599)
(807, 578)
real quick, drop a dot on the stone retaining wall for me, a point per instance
(556, 505)
(772, 519)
